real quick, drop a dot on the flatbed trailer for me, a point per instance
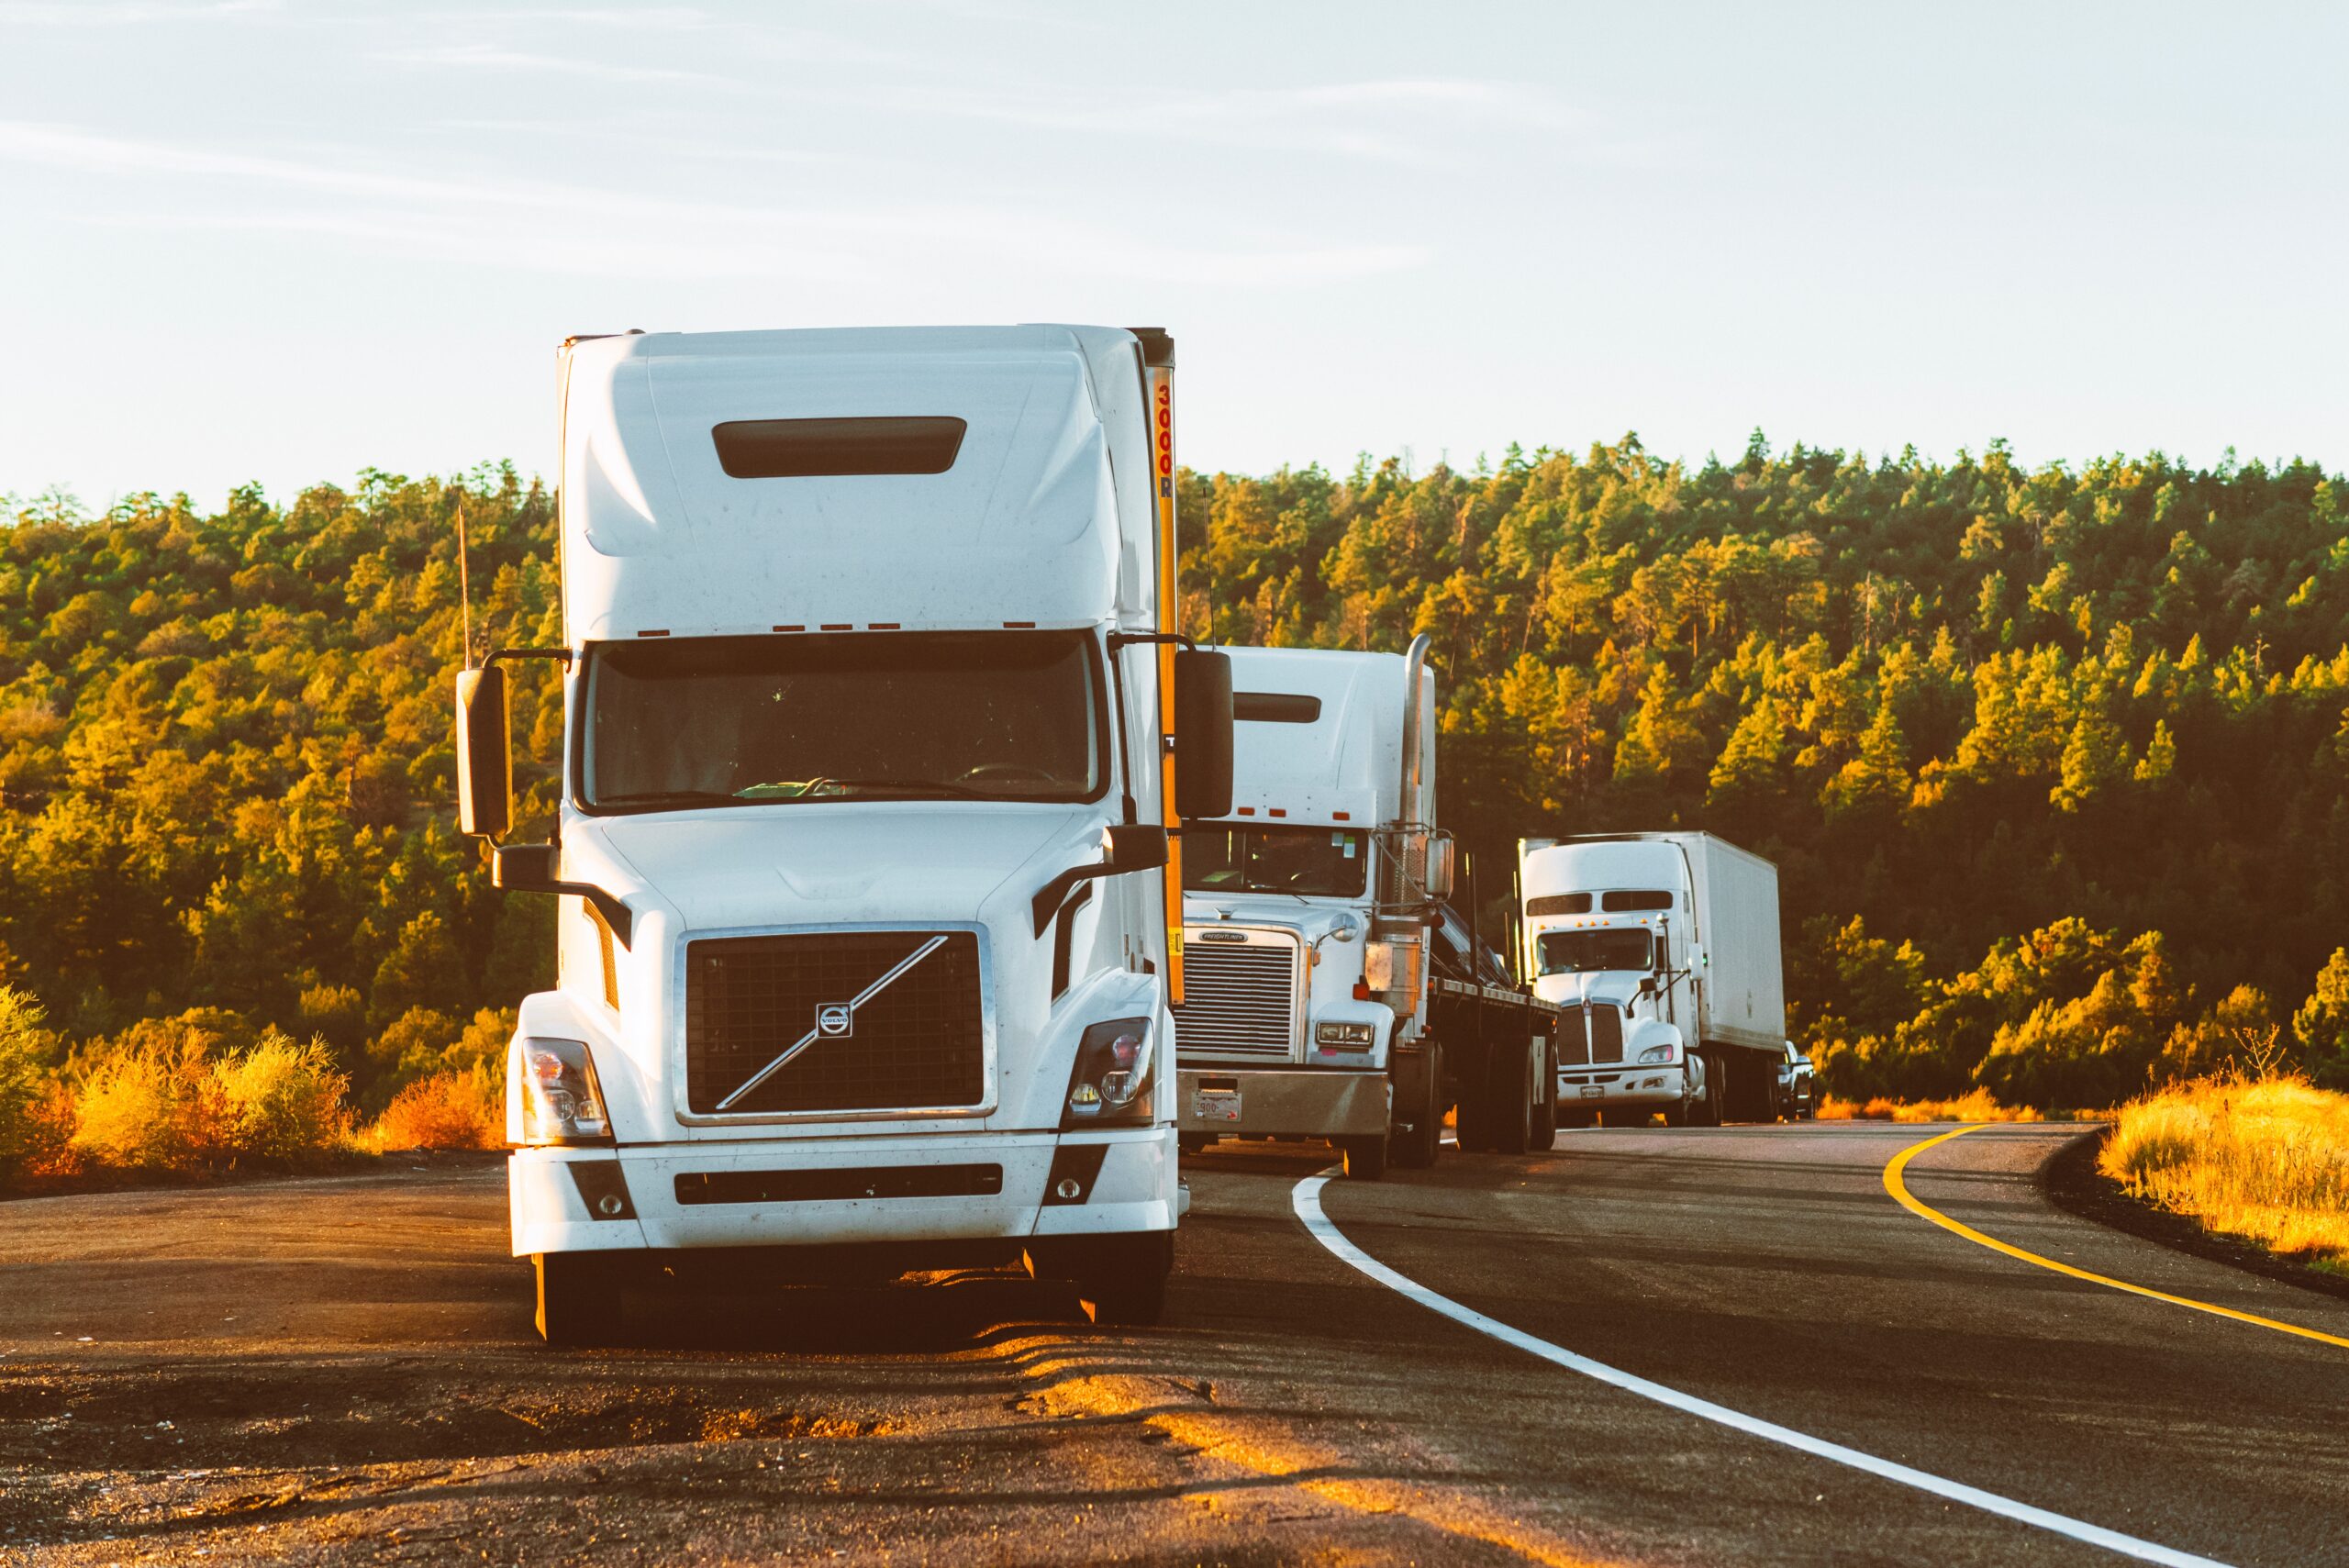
(1494, 1054)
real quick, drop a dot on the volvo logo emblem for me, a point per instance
(836, 1021)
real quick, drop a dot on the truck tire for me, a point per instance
(1545, 1110)
(579, 1298)
(1511, 1094)
(1707, 1109)
(1471, 1130)
(1365, 1157)
(1121, 1281)
(1416, 1149)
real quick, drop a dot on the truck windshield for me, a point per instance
(759, 720)
(1324, 862)
(1586, 952)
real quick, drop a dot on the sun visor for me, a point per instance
(741, 486)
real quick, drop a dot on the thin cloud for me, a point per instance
(483, 57)
(125, 13)
(1383, 119)
(502, 223)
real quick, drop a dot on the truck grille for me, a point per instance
(915, 1043)
(1590, 1034)
(1237, 1000)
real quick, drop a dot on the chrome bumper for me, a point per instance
(1282, 1102)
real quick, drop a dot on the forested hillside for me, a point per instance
(2052, 760)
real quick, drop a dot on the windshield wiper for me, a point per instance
(802, 789)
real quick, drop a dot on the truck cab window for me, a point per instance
(1318, 863)
(1590, 951)
(1624, 903)
(761, 720)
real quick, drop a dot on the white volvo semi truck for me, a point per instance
(1330, 994)
(869, 923)
(1664, 950)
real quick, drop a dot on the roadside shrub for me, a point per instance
(284, 1101)
(27, 1053)
(156, 1109)
(2267, 1159)
(459, 1109)
(1976, 1105)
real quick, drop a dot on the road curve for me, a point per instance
(342, 1369)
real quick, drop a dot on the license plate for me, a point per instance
(1216, 1105)
(1593, 1091)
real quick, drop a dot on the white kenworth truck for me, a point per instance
(1663, 948)
(1330, 992)
(868, 929)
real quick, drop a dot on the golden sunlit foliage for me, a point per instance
(2263, 1159)
(2051, 760)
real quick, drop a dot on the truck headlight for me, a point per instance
(1110, 1081)
(1346, 1036)
(561, 1102)
(1656, 1054)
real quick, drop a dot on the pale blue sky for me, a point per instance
(283, 241)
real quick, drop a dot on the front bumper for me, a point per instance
(1282, 1102)
(1133, 1188)
(1599, 1088)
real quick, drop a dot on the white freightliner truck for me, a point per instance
(867, 930)
(1329, 991)
(1663, 948)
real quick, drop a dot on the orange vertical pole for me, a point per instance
(1162, 445)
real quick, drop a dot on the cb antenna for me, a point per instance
(464, 583)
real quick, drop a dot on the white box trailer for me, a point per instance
(1669, 944)
(870, 924)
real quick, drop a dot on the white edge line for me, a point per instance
(1307, 1200)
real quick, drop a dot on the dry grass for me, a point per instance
(458, 1110)
(2265, 1160)
(1977, 1105)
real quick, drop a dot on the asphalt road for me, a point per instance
(343, 1369)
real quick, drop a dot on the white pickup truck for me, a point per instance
(870, 922)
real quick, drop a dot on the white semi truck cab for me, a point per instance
(1319, 1001)
(1662, 949)
(869, 924)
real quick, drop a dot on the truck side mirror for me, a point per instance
(1125, 846)
(1202, 733)
(1134, 845)
(1439, 868)
(484, 768)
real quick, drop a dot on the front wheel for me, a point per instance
(1365, 1157)
(1122, 1281)
(579, 1298)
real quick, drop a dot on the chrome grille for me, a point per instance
(916, 1043)
(1590, 1034)
(1605, 1034)
(1237, 999)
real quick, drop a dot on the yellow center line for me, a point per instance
(1898, 1189)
